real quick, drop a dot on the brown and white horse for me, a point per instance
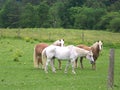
(37, 58)
(96, 48)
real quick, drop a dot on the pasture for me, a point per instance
(16, 60)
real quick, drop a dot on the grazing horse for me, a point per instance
(37, 59)
(69, 53)
(96, 48)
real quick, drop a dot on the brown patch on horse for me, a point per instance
(96, 52)
(39, 48)
(37, 53)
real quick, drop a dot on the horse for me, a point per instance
(96, 48)
(38, 48)
(69, 53)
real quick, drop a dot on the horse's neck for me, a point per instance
(81, 52)
(95, 49)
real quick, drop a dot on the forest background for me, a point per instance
(77, 14)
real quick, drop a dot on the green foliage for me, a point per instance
(115, 25)
(115, 6)
(28, 39)
(42, 15)
(28, 18)
(94, 4)
(86, 18)
(54, 14)
(83, 14)
(106, 19)
(17, 53)
(10, 14)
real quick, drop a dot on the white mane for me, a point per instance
(99, 43)
(59, 42)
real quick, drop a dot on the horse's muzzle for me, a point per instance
(91, 62)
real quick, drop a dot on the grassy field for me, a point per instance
(16, 63)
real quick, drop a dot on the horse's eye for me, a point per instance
(90, 55)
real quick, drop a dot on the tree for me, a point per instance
(28, 16)
(54, 14)
(86, 18)
(42, 15)
(114, 25)
(106, 19)
(115, 6)
(10, 14)
(94, 4)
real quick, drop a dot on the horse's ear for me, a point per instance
(63, 39)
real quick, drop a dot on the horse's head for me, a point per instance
(97, 45)
(90, 56)
(100, 45)
(59, 42)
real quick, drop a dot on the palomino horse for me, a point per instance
(37, 59)
(69, 53)
(96, 48)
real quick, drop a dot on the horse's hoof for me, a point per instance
(54, 71)
(46, 71)
(73, 72)
(60, 68)
(65, 71)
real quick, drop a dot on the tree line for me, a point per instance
(78, 14)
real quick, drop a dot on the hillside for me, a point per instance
(71, 36)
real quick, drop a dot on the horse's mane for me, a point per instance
(57, 43)
(95, 45)
(95, 50)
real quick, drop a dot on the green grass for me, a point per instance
(20, 75)
(71, 36)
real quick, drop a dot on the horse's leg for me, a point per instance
(46, 66)
(94, 66)
(52, 65)
(35, 60)
(60, 67)
(76, 62)
(43, 63)
(81, 64)
(67, 66)
(73, 62)
(40, 61)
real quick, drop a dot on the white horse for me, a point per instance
(69, 53)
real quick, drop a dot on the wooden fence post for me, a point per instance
(18, 33)
(111, 70)
(82, 36)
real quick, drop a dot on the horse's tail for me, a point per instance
(35, 60)
(44, 57)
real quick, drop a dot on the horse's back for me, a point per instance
(39, 47)
(58, 52)
(84, 47)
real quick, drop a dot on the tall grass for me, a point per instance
(71, 36)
